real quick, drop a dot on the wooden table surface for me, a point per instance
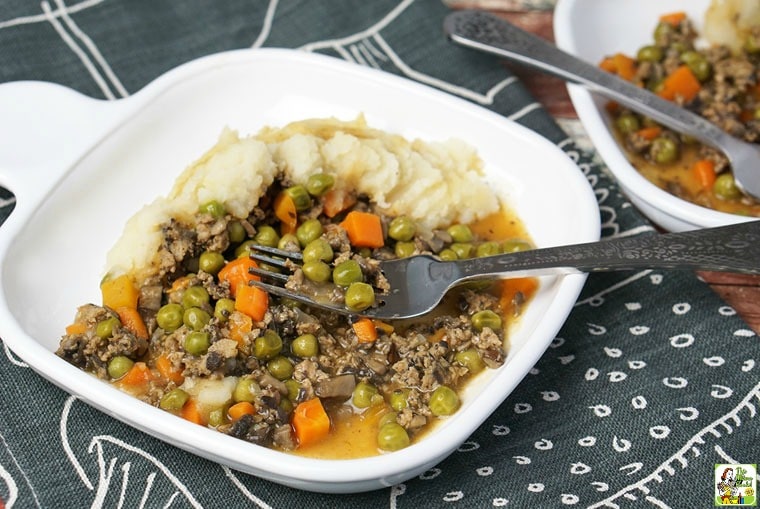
(741, 292)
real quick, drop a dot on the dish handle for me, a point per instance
(45, 128)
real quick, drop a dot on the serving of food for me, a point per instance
(700, 55)
(719, 82)
(180, 327)
(147, 316)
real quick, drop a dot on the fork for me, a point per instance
(418, 283)
(488, 33)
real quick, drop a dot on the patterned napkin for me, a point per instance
(651, 382)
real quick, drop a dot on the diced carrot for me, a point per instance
(336, 201)
(526, 286)
(438, 335)
(285, 211)
(608, 64)
(139, 374)
(364, 229)
(191, 412)
(130, 318)
(365, 330)
(680, 83)
(240, 409)
(76, 328)
(310, 422)
(612, 107)
(252, 300)
(119, 292)
(620, 64)
(625, 65)
(649, 133)
(673, 18)
(181, 283)
(704, 173)
(167, 370)
(383, 326)
(237, 273)
(239, 325)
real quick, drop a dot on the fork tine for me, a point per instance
(293, 255)
(283, 292)
(278, 262)
(269, 274)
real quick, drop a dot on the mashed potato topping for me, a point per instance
(434, 183)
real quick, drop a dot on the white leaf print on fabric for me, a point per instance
(115, 459)
(10, 488)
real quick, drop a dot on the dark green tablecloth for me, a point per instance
(651, 382)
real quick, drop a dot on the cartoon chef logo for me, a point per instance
(736, 485)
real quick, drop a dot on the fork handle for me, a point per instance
(734, 248)
(491, 34)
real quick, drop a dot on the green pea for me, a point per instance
(460, 233)
(448, 255)
(402, 228)
(300, 197)
(364, 394)
(664, 150)
(309, 230)
(650, 53)
(486, 318)
(244, 249)
(305, 345)
(195, 318)
(214, 208)
(169, 317)
(347, 272)
(443, 401)
(195, 297)
(662, 33)
(267, 236)
(106, 328)
(462, 249)
(317, 271)
(119, 366)
(489, 248)
(211, 262)
(697, 64)
(289, 242)
(236, 232)
(392, 437)
(294, 389)
(627, 123)
(217, 417)
(174, 400)
(515, 245)
(280, 367)
(319, 183)
(246, 389)
(223, 309)
(197, 343)
(267, 346)
(752, 44)
(398, 399)
(359, 296)
(388, 417)
(471, 360)
(725, 187)
(286, 405)
(404, 249)
(318, 250)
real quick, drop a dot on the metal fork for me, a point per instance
(485, 32)
(418, 283)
